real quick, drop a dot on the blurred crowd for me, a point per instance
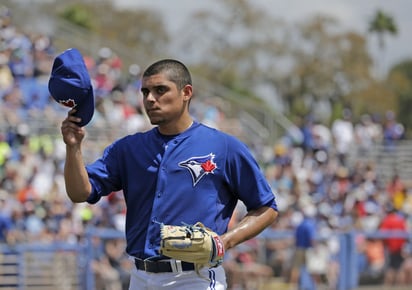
(329, 179)
(324, 171)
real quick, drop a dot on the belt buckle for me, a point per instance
(146, 265)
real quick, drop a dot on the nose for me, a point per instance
(150, 97)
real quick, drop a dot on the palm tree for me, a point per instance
(382, 24)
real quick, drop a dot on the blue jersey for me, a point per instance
(305, 233)
(198, 175)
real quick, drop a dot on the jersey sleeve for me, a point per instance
(104, 174)
(246, 178)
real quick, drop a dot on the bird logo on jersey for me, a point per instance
(199, 166)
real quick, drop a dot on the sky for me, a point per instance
(352, 14)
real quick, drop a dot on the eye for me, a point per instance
(145, 92)
(160, 90)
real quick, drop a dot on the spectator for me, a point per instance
(406, 268)
(305, 235)
(306, 130)
(374, 251)
(396, 223)
(367, 134)
(396, 189)
(343, 135)
(6, 77)
(393, 131)
(244, 271)
(5, 220)
(118, 260)
(5, 150)
(322, 137)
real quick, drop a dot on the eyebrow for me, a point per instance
(155, 87)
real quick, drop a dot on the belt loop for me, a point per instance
(145, 264)
(176, 266)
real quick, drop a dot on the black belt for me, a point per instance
(163, 266)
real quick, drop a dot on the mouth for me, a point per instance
(152, 111)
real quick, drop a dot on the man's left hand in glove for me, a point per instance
(195, 244)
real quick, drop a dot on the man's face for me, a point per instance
(162, 100)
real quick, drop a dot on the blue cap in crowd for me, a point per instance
(70, 84)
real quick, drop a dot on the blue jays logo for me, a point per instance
(199, 166)
(68, 103)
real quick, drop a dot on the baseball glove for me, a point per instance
(192, 243)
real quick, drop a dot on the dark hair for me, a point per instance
(175, 71)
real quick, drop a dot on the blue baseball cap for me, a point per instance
(70, 84)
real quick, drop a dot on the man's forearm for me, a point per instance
(75, 175)
(250, 226)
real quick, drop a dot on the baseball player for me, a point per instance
(180, 172)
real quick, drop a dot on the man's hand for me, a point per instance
(192, 243)
(72, 133)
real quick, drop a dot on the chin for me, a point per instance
(155, 121)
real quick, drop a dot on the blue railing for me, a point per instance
(36, 265)
(25, 255)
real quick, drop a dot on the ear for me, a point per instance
(187, 92)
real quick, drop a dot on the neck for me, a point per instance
(176, 128)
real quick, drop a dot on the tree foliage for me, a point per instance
(314, 60)
(382, 24)
(244, 48)
(400, 82)
(328, 64)
(141, 31)
(77, 15)
(232, 49)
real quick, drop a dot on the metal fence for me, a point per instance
(42, 266)
(68, 266)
